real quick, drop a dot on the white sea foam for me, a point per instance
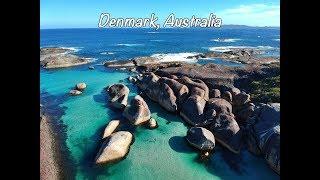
(107, 53)
(156, 40)
(74, 49)
(175, 57)
(91, 59)
(230, 48)
(226, 40)
(130, 45)
(153, 32)
(276, 39)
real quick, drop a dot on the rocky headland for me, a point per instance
(57, 57)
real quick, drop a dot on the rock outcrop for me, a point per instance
(112, 125)
(138, 111)
(118, 95)
(74, 92)
(263, 131)
(81, 86)
(114, 148)
(59, 58)
(227, 132)
(201, 138)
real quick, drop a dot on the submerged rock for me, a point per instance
(118, 95)
(138, 111)
(91, 67)
(112, 125)
(81, 86)
(201, 138)
(114, 148)
(75, 92)
(227, 132)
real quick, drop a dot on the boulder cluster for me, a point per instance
(221, 113)
(116, 145)
(78, 89)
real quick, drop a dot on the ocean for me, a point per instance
(161, 153)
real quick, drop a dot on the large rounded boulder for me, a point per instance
(201, 138)
(81, 86)
(114, 148)
(192, 111)
(227, 132)
(138, 111)
(181, 91)
(219, 105)
(118, 95)
(112, 125)
(196, 83)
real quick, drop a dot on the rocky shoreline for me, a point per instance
(57, 57)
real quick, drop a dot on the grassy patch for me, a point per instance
(266, 90)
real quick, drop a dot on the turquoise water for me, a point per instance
(161, 153)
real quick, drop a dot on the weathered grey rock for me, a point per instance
(118, 95)
(241, 99)
(147, 79)
(192, 111)
(234, 91)
(219, 105)
(244, 112)
(215, 93)
(75, 92)
(227, 96)
(167, 99)
(201, 138)
(227, 132)
(132, 79)
(81, 86)
(114, 148)
(196, 83)
(112, 125)
(152, 123)
(180, 91)
(138, 111)
(264, 133)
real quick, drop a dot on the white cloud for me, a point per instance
(254, 14)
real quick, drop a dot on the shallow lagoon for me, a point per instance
(161, 153)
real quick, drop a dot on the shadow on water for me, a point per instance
(179, 144)
(91, 147)
(51, 107)
(233, 161)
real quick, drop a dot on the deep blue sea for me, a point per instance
(161, 153)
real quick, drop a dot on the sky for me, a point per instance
(86, 13)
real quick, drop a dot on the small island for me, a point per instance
(57, 57)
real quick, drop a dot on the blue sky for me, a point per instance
(85, 13)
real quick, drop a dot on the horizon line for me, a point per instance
(159, 28)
